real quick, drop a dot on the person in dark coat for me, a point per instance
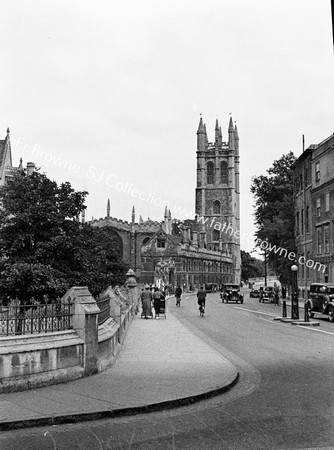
(146, 301)
(178, 293)
(201, 297)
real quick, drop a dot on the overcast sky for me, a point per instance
(108, 94)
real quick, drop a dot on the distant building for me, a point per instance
(7, 171)
(193, 252)
(314, 214)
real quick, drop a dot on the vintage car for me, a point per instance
(231, 293)
(267, 294)
(254, 293)
(321, 300)
(210, 287)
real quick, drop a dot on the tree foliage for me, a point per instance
(274, 213)
(44, 248)
(250, 267)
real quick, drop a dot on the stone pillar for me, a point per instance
(85, 323)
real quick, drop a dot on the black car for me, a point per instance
(267, 294)
(254, 293)
(231, 293)
(321, 300)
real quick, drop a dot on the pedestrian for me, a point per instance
(201, 297)
(157, 297)
(261, 294)
(276, 293)
(146, 301)
(178, 293)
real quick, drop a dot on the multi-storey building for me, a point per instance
(195, 251)
(314, 214)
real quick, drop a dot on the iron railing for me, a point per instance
(34, 319)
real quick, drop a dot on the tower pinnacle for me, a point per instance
(108, 208)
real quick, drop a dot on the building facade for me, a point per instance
(7, 171)
(193, 252)
(314, 214)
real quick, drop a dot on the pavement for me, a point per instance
(161, 365)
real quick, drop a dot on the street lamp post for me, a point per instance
(294, 294)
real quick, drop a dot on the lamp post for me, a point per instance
(294, 293)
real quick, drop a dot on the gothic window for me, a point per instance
(210, 173)
(216, 207)
(223, 172)
(215, 235)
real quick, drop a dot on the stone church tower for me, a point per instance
(217, 203)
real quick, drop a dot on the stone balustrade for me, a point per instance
(30, 361)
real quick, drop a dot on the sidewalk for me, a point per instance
(161, 364)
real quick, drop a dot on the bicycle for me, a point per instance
(201, 309)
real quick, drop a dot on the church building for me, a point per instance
(200, 250)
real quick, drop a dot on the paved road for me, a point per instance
(283, 400)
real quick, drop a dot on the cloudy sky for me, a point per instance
(108, 94)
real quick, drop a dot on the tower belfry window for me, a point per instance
(210, 173)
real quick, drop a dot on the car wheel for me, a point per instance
(241, 301)
(331, 313)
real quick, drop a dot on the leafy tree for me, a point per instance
(250, 267)
(274, 213)
(44, 248)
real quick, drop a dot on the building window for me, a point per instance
(327, 201)
(215, 235)
(223, 172)
(326, 238)
(317, 171)
(210, 173)
(161, 243)
(318, 207)
(297, 224)
(319, 241)
(326, 275)
(307, 268)
(307, 219)
(301, 182)
(216, 207)
(302, 221)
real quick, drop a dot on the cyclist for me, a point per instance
(201, 296)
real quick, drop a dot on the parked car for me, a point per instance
(231, 293)
(321, 300)
(254, 293)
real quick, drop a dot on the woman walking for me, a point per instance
(146, 301)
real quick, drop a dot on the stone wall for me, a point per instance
(31, 361)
